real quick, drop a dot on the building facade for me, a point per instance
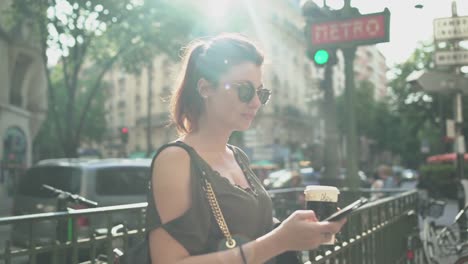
(23, 92)
(289, 127)
(370, 65)
(132, 98)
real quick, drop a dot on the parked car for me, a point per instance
(341, 179)
(285, 178)
(278, 179)
(310, 176)
(408, 175)
(107, 182)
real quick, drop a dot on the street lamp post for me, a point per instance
(459, 138)
(351, 135)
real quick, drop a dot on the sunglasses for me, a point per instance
(246, 91)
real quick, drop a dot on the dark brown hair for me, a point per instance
(208, 59)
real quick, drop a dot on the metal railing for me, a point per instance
(376, 233)
(89, 237)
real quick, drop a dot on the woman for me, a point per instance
(219, 92)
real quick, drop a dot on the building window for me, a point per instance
(137, 104)
(307, 72)
(165, 93)
(121, 104)
(138, 80)
(295, 61)
(122, 85)
(122, 119)
(166, 68)
(19, 73)
(285, 88)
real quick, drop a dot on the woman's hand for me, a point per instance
(302, 231)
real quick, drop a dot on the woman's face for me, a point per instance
(224, 104)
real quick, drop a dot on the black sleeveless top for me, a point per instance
(247, 212)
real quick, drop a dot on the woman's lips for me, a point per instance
(249, 116)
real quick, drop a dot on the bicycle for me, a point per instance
(65, 228)
(444, 244)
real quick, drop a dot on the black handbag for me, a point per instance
(138, 253)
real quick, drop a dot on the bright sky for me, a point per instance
(408, 25)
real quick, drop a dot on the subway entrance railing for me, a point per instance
(377, 233)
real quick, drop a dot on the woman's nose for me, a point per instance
(255, 102)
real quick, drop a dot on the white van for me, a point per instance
(105, 181)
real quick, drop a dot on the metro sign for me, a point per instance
(352, 31)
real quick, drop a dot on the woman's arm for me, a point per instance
(171, 188)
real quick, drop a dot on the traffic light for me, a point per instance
(322, 57)
(124, 134)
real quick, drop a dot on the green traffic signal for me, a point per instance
(321, 57)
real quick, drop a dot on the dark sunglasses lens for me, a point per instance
(246, 92)
(264, 95)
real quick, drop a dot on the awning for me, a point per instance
(263, 164)
(448, 157)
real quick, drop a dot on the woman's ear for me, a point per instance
(204, 88)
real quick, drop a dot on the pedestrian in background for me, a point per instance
(220, 91)
(376, 185)
(383, 180)
(385, 173)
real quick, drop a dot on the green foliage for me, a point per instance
(88, 38)
(46, 144)
(400, 122)
(374, 119)
(421, 116)
(439, 180)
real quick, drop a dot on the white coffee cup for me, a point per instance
(323, 200)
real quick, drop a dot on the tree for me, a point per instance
(94, 34)
(408, 118)
(421, 116)
(374, 119)
(45, 143)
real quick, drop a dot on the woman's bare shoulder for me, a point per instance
(171, 182)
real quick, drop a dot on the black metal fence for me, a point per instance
(377, 233)
(79, 236)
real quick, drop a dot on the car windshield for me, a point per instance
(122, 180)
(63, 178)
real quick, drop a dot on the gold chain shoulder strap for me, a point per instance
(210, 194)
(218, 214)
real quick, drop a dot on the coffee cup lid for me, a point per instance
(322, 188)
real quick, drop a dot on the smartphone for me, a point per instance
(347, 211)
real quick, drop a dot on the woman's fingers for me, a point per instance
(306, 215)
(332, 227)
